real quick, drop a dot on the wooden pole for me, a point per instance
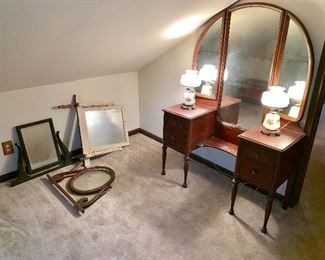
(314, 112)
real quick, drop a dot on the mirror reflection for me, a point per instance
(105, 127)
(102, 128)
(90, 180)
(254, 39)
(208, 57)
(39, 145)
(249, 61)
(294, 68)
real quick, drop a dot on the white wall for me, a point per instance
(28, 105)
(159, 85)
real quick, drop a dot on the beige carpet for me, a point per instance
(149, 216)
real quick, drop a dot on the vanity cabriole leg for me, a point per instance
(233, 195)
(268, 209)
(186, 166)
(164, 155)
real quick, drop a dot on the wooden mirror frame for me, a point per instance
(24, 146)
(82, 199)
(277, 55)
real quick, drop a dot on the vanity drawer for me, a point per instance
(258, 175)
(254, 153)
(175, 139)
(175, 122)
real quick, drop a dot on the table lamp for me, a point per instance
(190, 79)
(275, 99)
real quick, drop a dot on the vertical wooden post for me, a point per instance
(314, 112)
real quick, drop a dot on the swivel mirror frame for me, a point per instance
(31, 145)
(277, 59)
(32, 161)
(81, 199)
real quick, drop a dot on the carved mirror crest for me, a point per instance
(254, 46)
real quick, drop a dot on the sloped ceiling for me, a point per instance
(46, 41)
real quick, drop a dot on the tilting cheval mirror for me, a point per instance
(255, 62)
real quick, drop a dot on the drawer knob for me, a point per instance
(172, 138)
(254, 172)
(257, 155)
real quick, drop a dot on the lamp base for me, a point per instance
(270, 132)
(271, 124)
(188, 107)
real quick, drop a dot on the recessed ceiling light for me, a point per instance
(183, 27)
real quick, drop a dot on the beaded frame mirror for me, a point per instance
(102, 128)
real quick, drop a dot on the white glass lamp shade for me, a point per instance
(275, 97)
(208, 73)
(190, 79)
(296, 92)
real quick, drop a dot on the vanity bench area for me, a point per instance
(238, 58)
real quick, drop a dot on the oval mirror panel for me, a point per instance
(91, 180)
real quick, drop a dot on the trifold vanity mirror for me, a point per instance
(253, 46)
(240, 54)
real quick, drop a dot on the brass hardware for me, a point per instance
(7, 147)
(257, 155)
(254, 172)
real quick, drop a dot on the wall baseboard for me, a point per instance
(150, 135)
(8, 176)
(134, 131)
(13, 174)
(75, 152)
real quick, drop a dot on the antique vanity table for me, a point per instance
(272, 49)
